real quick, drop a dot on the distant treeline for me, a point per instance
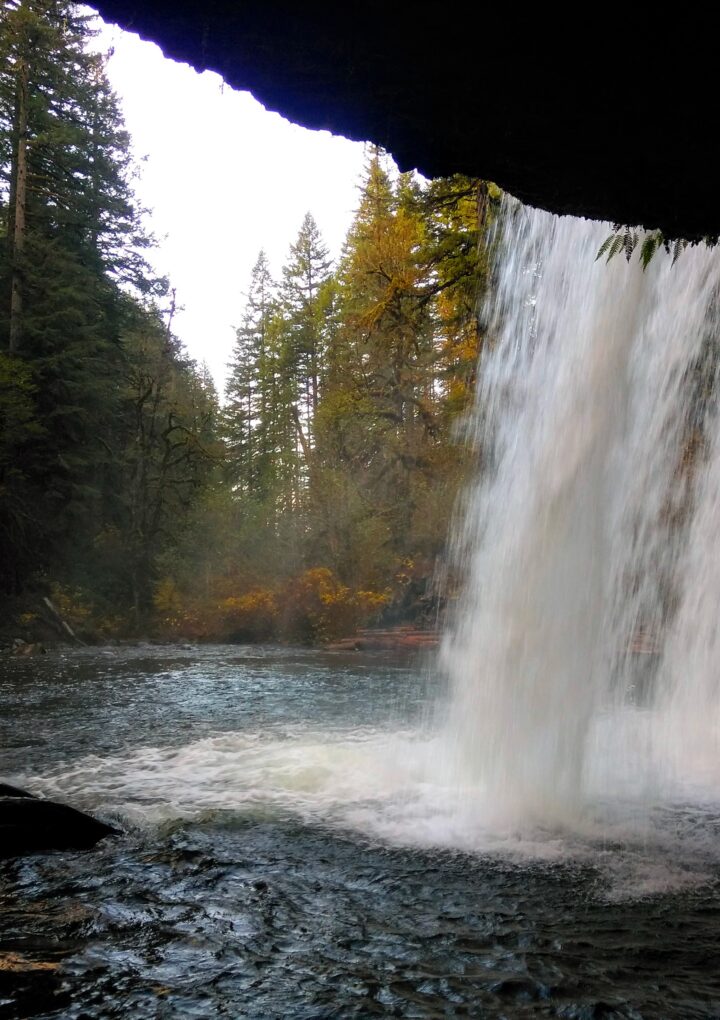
(320, 489)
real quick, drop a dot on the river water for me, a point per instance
(291, 850)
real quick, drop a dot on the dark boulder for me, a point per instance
(6, 790)
(29, 825)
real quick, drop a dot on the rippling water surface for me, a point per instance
(291, 851)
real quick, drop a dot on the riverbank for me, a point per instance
(397, 640)
(314, 611)
(378, 639)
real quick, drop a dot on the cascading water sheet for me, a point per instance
(586, 542)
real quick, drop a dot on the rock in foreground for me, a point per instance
(32, 826)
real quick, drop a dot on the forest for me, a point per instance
(314, 494)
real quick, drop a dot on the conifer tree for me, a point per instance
(248, 391)
(380, 396)
(304, 277)
(73, 238)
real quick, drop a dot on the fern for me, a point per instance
(678, 248)
(630, 240)
(625, 239)
(604, 246)
(618, 245)
(651, 243)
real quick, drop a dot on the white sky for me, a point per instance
(223, 178)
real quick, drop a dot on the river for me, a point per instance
(289, 853)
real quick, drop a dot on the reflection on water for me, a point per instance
(293, 851)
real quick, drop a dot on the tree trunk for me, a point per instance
(317, 495)
(18, 210)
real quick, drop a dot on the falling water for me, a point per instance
(584, 659)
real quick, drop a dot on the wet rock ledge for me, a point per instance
(31, 825)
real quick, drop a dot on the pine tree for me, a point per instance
(457, 212)
(304, 277)
(72, 236)
(248, 388)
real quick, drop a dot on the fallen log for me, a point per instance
(61, 624)
(369, 640)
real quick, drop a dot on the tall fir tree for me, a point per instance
(73, 257)
(379, 416)
(65, 194)
(248, 388)
(304, 277)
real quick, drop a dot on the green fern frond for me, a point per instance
(650, 245)
(630, 240)
(604, 247)
(617, 245)
(625, 239)
(678, 248)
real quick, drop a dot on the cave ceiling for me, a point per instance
(582, 119)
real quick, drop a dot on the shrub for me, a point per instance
(317, 607)
(250, 617)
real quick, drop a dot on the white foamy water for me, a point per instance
(382, 787)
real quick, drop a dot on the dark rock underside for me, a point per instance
(32, 826)
(594, 118)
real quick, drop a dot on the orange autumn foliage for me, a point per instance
(312, 608)
(317, 607)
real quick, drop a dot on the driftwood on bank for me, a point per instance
(60, 623)
(395, 638)
(641, 643)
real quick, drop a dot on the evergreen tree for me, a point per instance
(58, 313)
(258, 426)
(304, 277)
(457, 212)
(248, 391)
(379, 418)
(72, 240)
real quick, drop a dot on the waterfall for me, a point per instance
(584, 653)
(583, 659)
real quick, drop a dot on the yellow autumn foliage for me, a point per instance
(251, 616)
(318, 607)
(311, 608)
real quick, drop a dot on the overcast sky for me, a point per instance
(223, 178)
